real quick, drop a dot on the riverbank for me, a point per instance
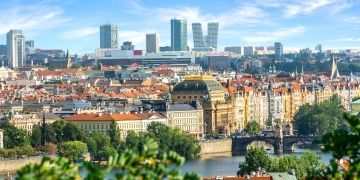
(12, 165)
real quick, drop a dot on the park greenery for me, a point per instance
(149, 163)
(320, 118)
(258, 158)
(65, 138)
(253, 128)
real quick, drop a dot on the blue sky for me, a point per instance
(74, 24)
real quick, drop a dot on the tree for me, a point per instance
(14, 137)
(255, 158)
(73, 150)
(114, 134)
(36, 136)
(146, 164)
(50, 135)
(99, 146)
(253, 128)
(72, 133)
(173, 139)
(344, 143)
(319, 119)
(58, 126)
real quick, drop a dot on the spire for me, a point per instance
(68, 59)
(334, 70)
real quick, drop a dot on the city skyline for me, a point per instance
(296, 24)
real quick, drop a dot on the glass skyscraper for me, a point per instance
(15, 42)
(108, 36)
(178, 35)
(198, 35)
(205, 42)
(212, 37)
(278, 50)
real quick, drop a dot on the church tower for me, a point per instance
(68, 60)
(334, 70)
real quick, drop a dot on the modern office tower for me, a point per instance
(198, 35)
(259, 48)
(248, 51)
(3, 50)
(178, 35)
(29, 47)
(212, 36)
(152, 43)
(318, 48)
(278, 50)
(234, 49)
(15, 48)
(108, 36)
(127, 45)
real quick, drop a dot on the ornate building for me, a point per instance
(217, 105)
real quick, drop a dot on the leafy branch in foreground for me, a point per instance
(145, 164)
(344, 143)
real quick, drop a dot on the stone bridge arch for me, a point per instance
(240, 145)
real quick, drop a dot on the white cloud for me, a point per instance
(350, 39)
(80, 33)
(304, 7)
(136, 37)
(31, 17)
(274, 36)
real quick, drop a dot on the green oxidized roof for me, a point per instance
(198, 85)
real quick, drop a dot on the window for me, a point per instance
(184, 97)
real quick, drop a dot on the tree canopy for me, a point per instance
(147, 164)
(253, 128)
(73, 150)
(319, 119)
(14, 137)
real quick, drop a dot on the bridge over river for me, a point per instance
(280, 144)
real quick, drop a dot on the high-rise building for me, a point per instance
(198, 35)
(234, 49)
(152, 43)
(127, 45)
(29, 47)
(212, 36)
(208, 42)
(248, 51)
(108, 36)
(3, 50)
(178, 35)
(318, 48)
(15, 48)
(278, 50)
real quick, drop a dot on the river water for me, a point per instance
(224, 164)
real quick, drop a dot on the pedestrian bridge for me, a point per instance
(280, 144)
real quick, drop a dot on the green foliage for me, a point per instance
(58, 126)
(73, 150)
(49, 169)
(14, 137)
(114, 134)
(169, 139)
(253, 128)
(50, 135)
(255, 158)
(17, 152)
(146, 164)
(72, 133)
(305, 166)
(344, 143)
(99, 146)
(319, 119)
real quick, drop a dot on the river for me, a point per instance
(224, 164)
